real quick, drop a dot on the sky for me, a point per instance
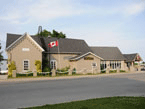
(118, 23)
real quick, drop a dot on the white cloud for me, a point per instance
(134, 9)
(52, 9)
(45, 10)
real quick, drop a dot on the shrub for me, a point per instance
(135, 63)
(103, 71)
(11, 67)
(65, 70)
(122, 71)
(74, 71)
(46, 69)
(24, 75)
(61, 74)
(38, 65)
(43, 74)
(113, 71)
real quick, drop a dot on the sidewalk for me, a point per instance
(25, 79)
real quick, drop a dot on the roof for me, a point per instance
(130, 57)
(10, 40)
(66, 45)
(108, 53)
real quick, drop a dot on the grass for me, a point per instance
(100, 103)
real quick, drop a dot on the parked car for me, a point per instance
(3, 72)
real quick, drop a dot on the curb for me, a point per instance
(63, 77)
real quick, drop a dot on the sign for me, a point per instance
(25, 49)
(88, 58)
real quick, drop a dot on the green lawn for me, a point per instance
(100, 103)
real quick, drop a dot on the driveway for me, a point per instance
(33, 93)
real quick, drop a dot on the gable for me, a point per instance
(13, 41)
(85, 56)
(132, 57)
(73, 46)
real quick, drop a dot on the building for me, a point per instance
(25, 49)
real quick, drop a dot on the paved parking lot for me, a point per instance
(33, 93)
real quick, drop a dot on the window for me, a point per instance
(103, 65)
(26, 65)
(53, 64)
(94, 64)
(115, 64)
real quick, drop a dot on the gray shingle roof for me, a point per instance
(11, 38)
(108, 53)
(130, 57)
(65, 45)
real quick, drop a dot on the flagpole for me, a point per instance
(59, 55)
(49, 59)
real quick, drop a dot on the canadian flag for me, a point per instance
(53, 44)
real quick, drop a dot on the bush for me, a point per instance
(74, 71)
(89, 73)
(11, 67)
(103, 71)
(122, 71)
(61, 74)
(43, 74)
(46, 69)
(113, 71)
(38, 65)
(135, 63)
(64, 69)
(31, 74)
(24, 75)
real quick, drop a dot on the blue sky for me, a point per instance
(118, 23)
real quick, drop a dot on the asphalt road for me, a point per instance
(17, 95)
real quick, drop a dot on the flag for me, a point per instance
(53, 44)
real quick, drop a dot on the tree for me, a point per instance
(45, 33)
(54, 33)
(1, 57)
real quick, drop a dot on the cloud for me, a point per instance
(134, 9)
(44, 10)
